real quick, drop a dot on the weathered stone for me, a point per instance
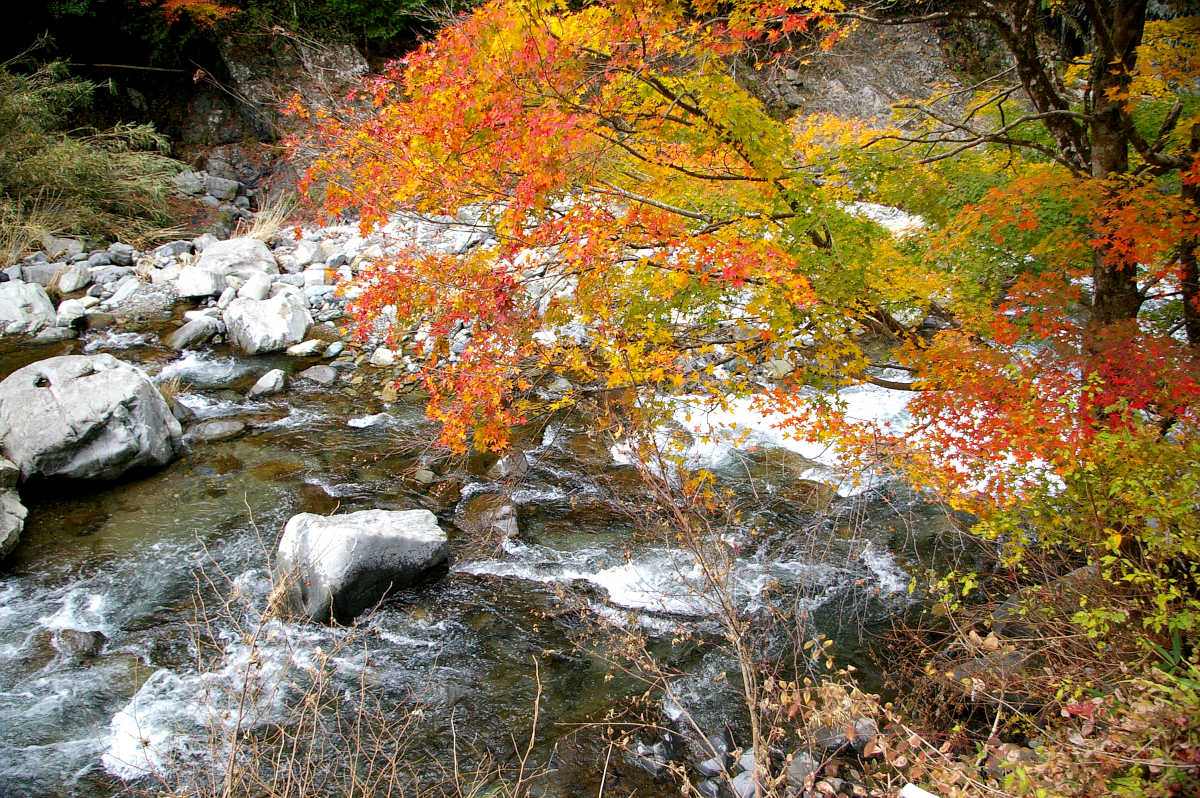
(87, 417)
(382, 357)
(256, 286)
(241, 256)
(25, 304)
(334, 349)
(321, 375)
(98, 259)
(173, 249)
(423, 476)
(337, 566)
(512, 466)
(268, 325)
(125, 288)
(71, 312)
(220, 187)
(74, 277)
(78, 644)
(41, 273)
(12, 520)
(308, 252)
(489, 515)
(270, 383)
(801, 768)
(61, 247)
(219, 429)
(189, 183)
(121, 254)
(306, 348)
(197, 331)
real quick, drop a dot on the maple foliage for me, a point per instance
(652, 226)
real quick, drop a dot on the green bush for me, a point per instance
(96, 184)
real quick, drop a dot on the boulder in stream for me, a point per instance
(12, 512)
(84, 417)
(267, 325)
(334, 567)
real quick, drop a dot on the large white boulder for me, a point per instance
(84, 417)
(267, 325)
(337, 566)
(193, 281)
(25, 307)
(240, 256)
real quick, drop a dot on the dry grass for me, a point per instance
(269, 220)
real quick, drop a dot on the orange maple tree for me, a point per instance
(654, 226)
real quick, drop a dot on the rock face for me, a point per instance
(267, 325)
(240, 256)
(84, 417)
(338, 566)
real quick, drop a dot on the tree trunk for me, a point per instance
(1189, 278)
(1117, 30)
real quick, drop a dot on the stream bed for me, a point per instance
(103, 684)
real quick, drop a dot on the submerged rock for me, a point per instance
(84, 417)
(336, 567)
(216, 430)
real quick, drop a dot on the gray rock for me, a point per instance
(334, 349)
(307, 252)
(173, 249)
(270, 383)
(195, 282)
(512, 466)
(98, 259)
(110, 275)
(61, 247)
(53, 335)
(337, 566)
(713, 766)
(218, 429)
(202, 242)
(424, 476)
(197, 331)
(257, 286)
(322, 375)
(121, 254)
(70, 311)
(10, 475)
(382, 357)
(306, 348)
(75, 277)
(189, 183)
(227, 296)
(266, 325)
(802, 766)
(85, 417)
(12, 520)
(239, 256)
(41, 273)
(125, 288)
(78, 644)
(743, 785)
(25, 304)
(220, 187)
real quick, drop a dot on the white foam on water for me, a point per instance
(81, 610)
(376, 420)
(205, 371)
(111, 339)
(657, 580)
(892, 578)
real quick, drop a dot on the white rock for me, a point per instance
(315, 277)
(257, 286)
(270, 383)
(266, 325)
(307, 252)
(126, 287)
(196, 282)
(26, 305)
(240, 256)
(69, 312)
(86, 417)
(337, 566)
(227, 296)
(382, 357)
(74, 277)
(307, 348)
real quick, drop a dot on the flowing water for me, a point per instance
(83, 714)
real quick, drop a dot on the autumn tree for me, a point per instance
(653, 227)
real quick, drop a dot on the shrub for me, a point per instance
(97, 184)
